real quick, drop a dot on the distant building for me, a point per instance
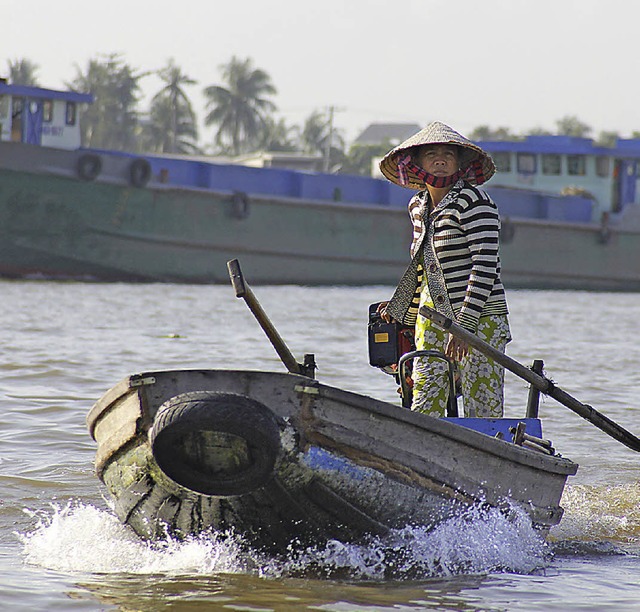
(301, 162)
(278, 159)
(386, 133)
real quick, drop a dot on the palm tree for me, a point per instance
(240, 109)
(319, 136)
(23, 72)
(484, 132)
(169, 129)
(360, 157)
(314, 133)
(172, 108)
(607, 139)
(278, 136)
(538, 131)
(111, 121)
(570, 125)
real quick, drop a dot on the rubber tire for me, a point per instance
(216, 412)
(89, 166)
(139, 172)
(507, 232)
(240, 205)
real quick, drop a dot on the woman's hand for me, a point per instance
(456, 349)
(382, 311)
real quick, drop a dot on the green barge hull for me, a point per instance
(54, 224)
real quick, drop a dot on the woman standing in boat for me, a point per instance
(455, 267)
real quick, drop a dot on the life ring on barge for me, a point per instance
(240, 205)
(507, 231)
(139, 172)
(212, 443)
(89, 166)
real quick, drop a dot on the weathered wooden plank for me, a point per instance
(121, 412)
(167, 511)
(289, 514)
(113, 444)
(105, 402)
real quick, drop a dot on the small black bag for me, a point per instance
(387, 341)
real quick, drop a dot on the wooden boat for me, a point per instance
(284, 459)
(569, 209)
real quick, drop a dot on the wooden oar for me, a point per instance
(540, 382)
(243, 290)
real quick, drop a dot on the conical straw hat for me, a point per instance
(438, 133)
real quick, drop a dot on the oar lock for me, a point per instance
(521, 438)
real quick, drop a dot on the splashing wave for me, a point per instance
(85, 539)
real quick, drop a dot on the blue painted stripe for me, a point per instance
(46, 94)
(491, 427)
(319, 459)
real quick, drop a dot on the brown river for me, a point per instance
(61, 547)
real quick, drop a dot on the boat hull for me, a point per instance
(53, 224)
(322, 462)
(557, 255)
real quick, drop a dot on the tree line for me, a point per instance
(240, 109)
(569, 125)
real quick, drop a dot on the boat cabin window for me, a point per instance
(47, 111)
(502, 160)
(602, 165)
(526, 163)
(551, 164)
(576, 165)
(18, 105)
(70, 115)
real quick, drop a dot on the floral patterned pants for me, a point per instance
(482, 379)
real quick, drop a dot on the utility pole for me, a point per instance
(327, 148)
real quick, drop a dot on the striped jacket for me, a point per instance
(458, 250)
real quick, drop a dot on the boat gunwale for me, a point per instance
(462, 434)
(459, 433)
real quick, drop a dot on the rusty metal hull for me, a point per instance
(344, 465)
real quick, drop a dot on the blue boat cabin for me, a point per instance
(46, 117)
(604, 179)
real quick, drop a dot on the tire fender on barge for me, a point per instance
(89, 166)
(139, 172)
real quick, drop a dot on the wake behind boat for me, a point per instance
(285, 460)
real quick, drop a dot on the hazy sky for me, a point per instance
(514, 63)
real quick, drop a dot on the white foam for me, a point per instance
(82, 538)
(478, 541)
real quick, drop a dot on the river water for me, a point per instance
(65, 344)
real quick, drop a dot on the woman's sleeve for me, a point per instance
(480, 222)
